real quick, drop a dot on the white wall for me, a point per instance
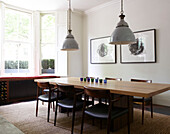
(140, 15)
(75, 57)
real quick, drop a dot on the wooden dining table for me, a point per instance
(126, 88)
(140, 89)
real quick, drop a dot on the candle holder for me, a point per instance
(105, 81)
(81, 79)
(84, 79)
(100, 80)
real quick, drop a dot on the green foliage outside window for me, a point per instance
(48, 28)
(14, 64)
(48, 63)
(17, 25)
(23, 64)
(52, 63)
(11, 64)
(45, 64)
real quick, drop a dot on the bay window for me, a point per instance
(30, 42)
(17, 44)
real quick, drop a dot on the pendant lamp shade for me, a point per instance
(70, 43)
(122, 35)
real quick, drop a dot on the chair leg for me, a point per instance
(37, 108)
(109, 116)
(73, 117)
(53, 107)
(151, 109)
(100, 123)
(93, 121)
(128, 117)
(55, 114)
(48, 111)
(82, 122)
(112, 124)
(93, 101)
(67, 112)
(105, 100)
(100, 100)
(88, 98)
(37, 101)
(143, 111)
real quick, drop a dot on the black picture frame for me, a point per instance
(145, 50)
(98, 45)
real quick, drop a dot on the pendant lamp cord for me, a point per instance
(69, 16)
(121, 7)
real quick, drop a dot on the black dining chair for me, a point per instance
(101, 110)
(46, 91)
(71, 100)
(50, 97)
(114, 79)
(142, 100)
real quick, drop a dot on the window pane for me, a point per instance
(48, 28)
(10, 51)
(24, 52)
(47, 36)
(10, 58)
(17, 25)
(48, 54)
(17, 58)
(17, 47)
(24, 27)
(48, 40)
(11, 21)
(48, 51)
(48, 21)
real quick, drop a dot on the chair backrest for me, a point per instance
(139, 80)
(66, 88)
(90, 77)
(97, 93)
(43, 85)
(118, 79)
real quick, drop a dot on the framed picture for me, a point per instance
(143, 51)
(101, 52)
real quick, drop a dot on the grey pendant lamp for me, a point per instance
(122, 35)
(70, 43)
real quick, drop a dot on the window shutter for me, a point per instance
(61, 61)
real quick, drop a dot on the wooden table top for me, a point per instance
(140, 89)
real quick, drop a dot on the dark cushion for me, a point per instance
(47, 90)
(140, 99)
(68, 103)
(101, 111)
(44, 97)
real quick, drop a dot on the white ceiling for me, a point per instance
(81, 5)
